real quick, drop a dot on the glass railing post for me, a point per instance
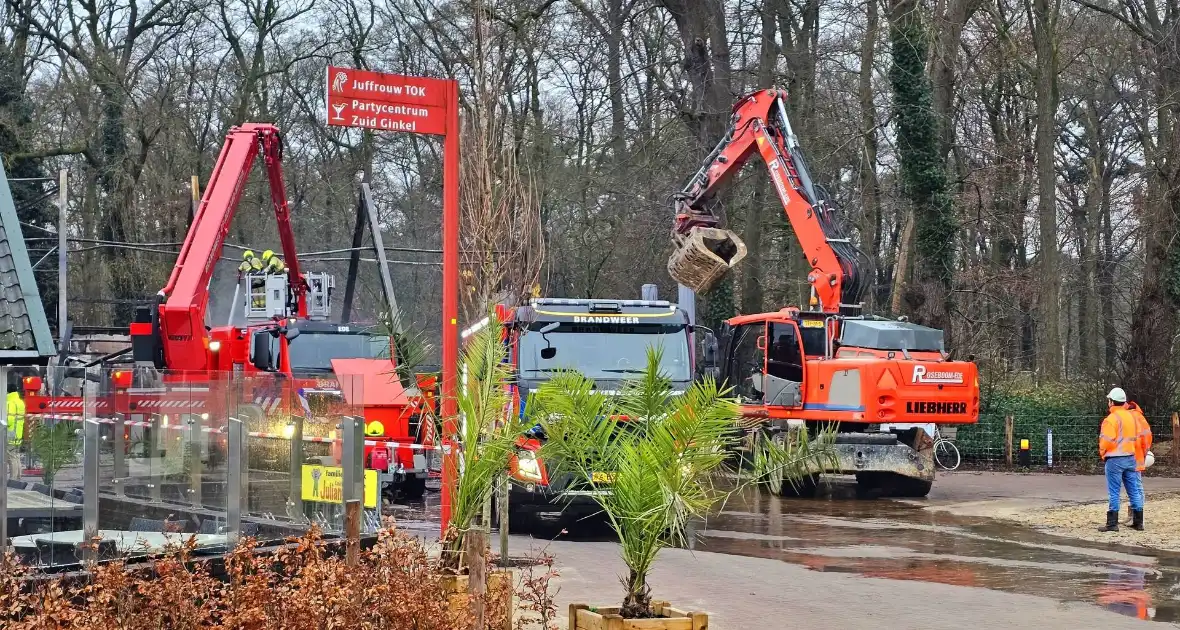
(236, 442)
(196, 455)
(120, 446)
(295, 502)
(91, 443)
(353, 489)
(154, 459)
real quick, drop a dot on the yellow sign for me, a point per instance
(813, 323)
(603, 478)
(325, 484)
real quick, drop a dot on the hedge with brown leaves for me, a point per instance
(395, 586)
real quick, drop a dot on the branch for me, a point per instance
(1136, 28)
(73, 149)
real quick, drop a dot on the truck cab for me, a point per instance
(606, 341)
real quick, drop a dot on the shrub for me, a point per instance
(396, 585)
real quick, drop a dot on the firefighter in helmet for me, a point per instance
(250, 262)
(273, 263)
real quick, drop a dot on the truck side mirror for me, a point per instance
(260, 354)
(709, 350)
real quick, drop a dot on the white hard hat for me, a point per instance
(1149, 460)
(1118, 395)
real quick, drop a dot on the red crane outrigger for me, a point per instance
(878, 381)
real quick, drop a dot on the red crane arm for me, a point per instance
(182, 314)
(759, 124)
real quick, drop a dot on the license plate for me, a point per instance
(601, 477)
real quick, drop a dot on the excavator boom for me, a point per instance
(185, 298)
(760, 126)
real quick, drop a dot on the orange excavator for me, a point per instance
(882, 383)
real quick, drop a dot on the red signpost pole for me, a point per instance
(450, 299)
(426, 105)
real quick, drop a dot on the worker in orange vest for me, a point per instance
(1122, 444)
(1145, 428)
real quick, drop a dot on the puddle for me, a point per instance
(900, 541)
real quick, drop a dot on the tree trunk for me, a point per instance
(870, 230)
(923, 171)
(1153, 323)
(901, 270)
(614, 77)
(1044, 30)
(637, 604)
(752, 293)
(706, 107)
(947, 39)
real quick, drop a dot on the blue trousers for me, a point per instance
(1121, 471)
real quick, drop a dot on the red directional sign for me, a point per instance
(394, 102)
(389, 102)
(359, 112)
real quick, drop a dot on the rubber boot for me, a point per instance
(1112, 521)
(1137, 523)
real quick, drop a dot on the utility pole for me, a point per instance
(62, 198)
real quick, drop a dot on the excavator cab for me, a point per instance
(763, 360)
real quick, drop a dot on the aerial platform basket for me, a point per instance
(704, 256)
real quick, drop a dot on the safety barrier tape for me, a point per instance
(253, 434)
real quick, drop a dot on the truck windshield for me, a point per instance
(606, 351)
(314, 351)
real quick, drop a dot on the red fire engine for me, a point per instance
(285, 358)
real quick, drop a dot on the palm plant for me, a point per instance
(487, 433)
(656, 461)
(651, 457)
(55, 446)
(791, 457)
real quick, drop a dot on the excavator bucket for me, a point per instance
(704, 256)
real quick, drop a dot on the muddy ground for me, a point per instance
(1081, 521)
(981, 547)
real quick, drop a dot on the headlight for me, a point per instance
(527, 466)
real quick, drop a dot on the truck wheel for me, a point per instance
(802, 489)
(878, 484)
(910, 488)
(412, 487)
(518, 522)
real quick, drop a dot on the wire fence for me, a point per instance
(1074, 437)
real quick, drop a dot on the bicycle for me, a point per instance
(946, 454)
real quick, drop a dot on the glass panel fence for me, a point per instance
(295, 439)
(139, 460)
(46, 478)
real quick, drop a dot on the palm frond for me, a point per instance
(487, 430)
(792, 456)
(662, 448)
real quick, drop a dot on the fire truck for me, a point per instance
(606, 341)
(279, 354)
(881, 383)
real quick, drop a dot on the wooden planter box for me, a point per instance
(608, 618)
(499, 586)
